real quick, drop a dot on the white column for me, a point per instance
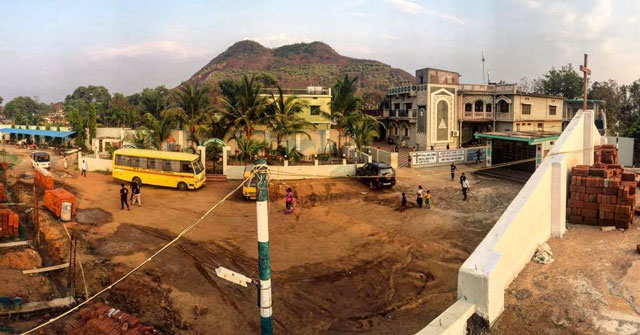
(558, 196)
(587, 153)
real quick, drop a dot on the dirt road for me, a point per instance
(347, 261)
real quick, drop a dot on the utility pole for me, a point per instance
(264, 262)
(483, 81)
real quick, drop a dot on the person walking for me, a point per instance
(124, 192)
(420, 195)
(453, 170)
(448, 146)
(462, 178)
(84, 168)
(403, 203)
(465, 189)
(478, 156)
(135, 194)
(64, 162)
(428, 199)
(289, 201)
(409, 159)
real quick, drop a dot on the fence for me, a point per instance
(379, 155)
(94, 163)
(438, 157)
(289, 172)
(510, 244)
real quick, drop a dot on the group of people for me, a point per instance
(464, 183)
(134, 194)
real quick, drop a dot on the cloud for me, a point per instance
(598, 19)
(170, 49)
(413, 8)
(389, 37)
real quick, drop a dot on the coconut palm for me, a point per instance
(140, 138)
(214, 125)
(343, 103)
(192, 103)
(363, 129)
(249, 107)
(160, 129)
(282, 117)
(248, 148)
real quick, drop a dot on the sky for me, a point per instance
(48, 48)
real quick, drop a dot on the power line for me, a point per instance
(170, 243)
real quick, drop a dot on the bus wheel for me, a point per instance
(182, 186)
(136, 180)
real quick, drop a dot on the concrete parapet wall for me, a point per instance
(453, 321)
(234, 172)
(536, 214)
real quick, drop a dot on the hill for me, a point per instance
(299, 65)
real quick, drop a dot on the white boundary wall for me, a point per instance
(93, 163)
(537, 213)
(235, 172)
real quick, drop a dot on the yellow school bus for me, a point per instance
(162, 168)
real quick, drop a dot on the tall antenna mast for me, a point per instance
(483, 81)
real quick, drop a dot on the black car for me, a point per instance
(377, 175)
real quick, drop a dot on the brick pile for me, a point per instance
(43, 178)
(53, 200)
(4, 197)
(603, 194)
(9, 223)
(100, 319)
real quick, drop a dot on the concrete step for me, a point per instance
(216, 178)
(506, 174)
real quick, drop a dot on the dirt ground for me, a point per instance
(346, 261)
(592, 287)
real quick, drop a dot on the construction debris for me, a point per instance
(603, 194)
(100, 319)
(543, 255)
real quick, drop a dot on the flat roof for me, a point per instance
(530, 137)
(598, 101)
(50, 133)
(183, 156)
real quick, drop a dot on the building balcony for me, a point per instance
(479, 116)
(504, 116)
(403, 113)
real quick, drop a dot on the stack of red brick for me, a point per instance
(100, 319)
(3, 193)
(9, 223)
(603, 194)
(53, 200)
(43, 178)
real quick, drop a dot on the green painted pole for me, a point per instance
(264, 262)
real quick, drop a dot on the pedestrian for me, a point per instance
(478, 155)
(289, 201)
(465, 189)
(135, 194)
(84, 168)
(462, 178)
(64, 162)
(432, 148)
(403, 203)
(124, 192)
(396, 149)
(447, 146)
(409, 159)
(420, 194)
(428, 199)
(453, 170)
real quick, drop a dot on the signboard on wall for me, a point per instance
(426, 157)
(449, 156)
(472, 154)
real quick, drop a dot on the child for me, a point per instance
(289, 201)
(403, 205)
(419, 199)
(428, 199)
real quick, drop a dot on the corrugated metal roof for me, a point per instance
(50, 133)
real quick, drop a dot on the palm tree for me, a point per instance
(248, 148)
(282, 117)
(363, 129)
(214, 125)
(160, 129)
(248, 109)
(343, 104)
(192, 103)
(140, 138)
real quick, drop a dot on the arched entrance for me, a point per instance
(213, 154)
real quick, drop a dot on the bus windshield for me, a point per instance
(197, 166)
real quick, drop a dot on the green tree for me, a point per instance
(24, 110)
(77, 123)
(608, 91)
(154, 100)
(192, 103)
(283, 116)
(565, 82)
(248, 148)
(249, 107)
(344, 102)
(139, 138)
(362, 129)
(160, 129)
(121, 113)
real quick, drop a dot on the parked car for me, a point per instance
(249, 187)
(40, 159)
(377, 175)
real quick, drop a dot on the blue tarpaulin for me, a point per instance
(50, 133)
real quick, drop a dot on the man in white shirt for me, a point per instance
(84, 168)
(465, 188)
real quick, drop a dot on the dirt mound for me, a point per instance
(21, 260)
(308, 193)
(94, 216)
(55, 240)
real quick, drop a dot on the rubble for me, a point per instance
(100, 319)
(543, 255)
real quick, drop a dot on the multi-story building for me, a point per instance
(438, 111)
(572, 106)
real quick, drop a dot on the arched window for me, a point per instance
(442, 119)
(503, 107)
(468, 107)
(488, 108)
(479, 106)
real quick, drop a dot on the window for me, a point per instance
(488, 108)
(479, 106)
(396, 106)
(406, 131)
(154, 164)
(408, 106)
(421, 79)
(142, 162)
(526, 109)
(171, 166)
(395, 130)
(503, 107)
(540, 126)
(315, 110)
(468, 107)
(186, 167)
(552, 110)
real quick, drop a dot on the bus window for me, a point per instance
(186, 167)
(197, 166)
(142, 162)
(154, 164)
(171, 166)
(121, 160)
